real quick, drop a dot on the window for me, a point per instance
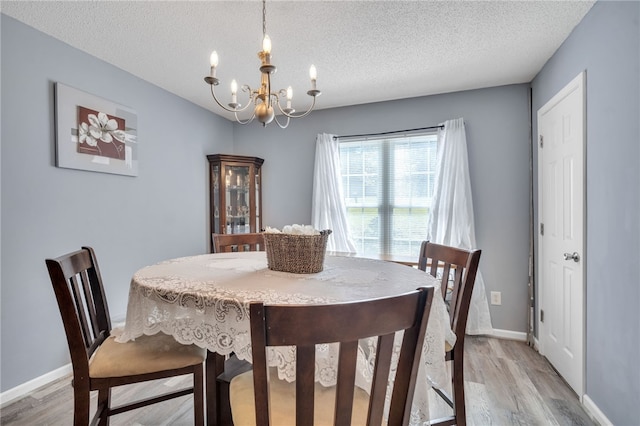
(388, 188)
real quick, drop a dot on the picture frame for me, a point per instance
(94, 134)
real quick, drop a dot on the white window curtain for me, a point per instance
(328, 208)
(450, 221)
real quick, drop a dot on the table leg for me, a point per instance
(214, 367)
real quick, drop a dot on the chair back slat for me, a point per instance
(384, 352)
(345, 382)
(102, 318)
(89, 302)
(305, 326)
(446, 273)
(79, 299)
(224, 243)
(458, 285)
(305, 390)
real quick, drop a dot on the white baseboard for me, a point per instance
(19, 391)
(536, 344)
(509, 334)
(595, 413)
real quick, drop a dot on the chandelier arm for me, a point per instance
(304, 114)
(213, 93)
(282, 126)
(274, 97)
(250, 98)
(247, 121)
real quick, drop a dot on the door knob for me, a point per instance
(575, 256)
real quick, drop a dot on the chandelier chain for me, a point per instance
(264, 18)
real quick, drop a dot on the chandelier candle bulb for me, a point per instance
(266, 44)
(213, 60)
(314, 76)
(234, 91)
(289, 96)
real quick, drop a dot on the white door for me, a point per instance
(561, 208)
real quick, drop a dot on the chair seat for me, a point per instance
(283, 403)
(146, 354)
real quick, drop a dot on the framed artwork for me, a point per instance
(94, 134)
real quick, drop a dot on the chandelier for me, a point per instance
(263, 100)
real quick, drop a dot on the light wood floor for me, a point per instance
(507, 383)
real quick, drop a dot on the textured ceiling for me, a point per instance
(365, 51)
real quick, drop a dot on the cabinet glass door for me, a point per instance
(258, 224)
(215, 196)
(237, 181)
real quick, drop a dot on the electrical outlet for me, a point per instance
(496, 298)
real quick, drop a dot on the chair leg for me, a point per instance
(81, 404)
(104, 405)
(214, 366)
(458, 391)
(198, 396)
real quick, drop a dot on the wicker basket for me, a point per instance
(299, 254)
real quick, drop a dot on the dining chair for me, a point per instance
(227, 367)
(99, 363)
(258, 400)
(237, 242)
(457, 270)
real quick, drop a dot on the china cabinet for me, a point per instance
(235, 194)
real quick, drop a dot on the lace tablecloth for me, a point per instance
(205, 299)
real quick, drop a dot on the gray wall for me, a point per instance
(47, 211)
(607, 45)
(497, 124)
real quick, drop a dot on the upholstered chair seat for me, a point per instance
(283, 403)
(146, 354)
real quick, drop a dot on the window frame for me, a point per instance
(386, 177)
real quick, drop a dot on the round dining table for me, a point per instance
(204, 300)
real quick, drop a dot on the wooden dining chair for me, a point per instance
(227, 367)
(237, 242)
(257, 400)
(457, 270)
(99, 363)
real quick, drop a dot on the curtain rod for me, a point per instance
(441, 126)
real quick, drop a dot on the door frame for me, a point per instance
(577, 83)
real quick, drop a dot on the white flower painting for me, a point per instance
(95, 134)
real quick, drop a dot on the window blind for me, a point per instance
(388, 186)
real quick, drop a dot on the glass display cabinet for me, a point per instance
(235, 194)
